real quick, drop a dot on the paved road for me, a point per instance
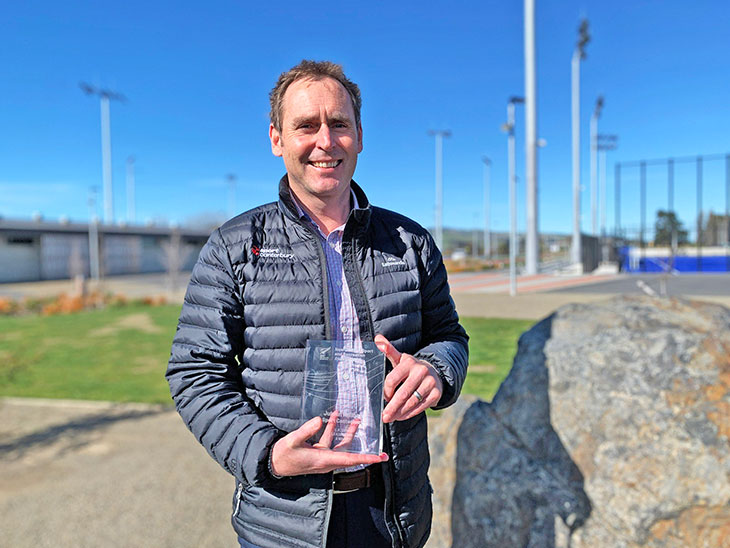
(716, 285)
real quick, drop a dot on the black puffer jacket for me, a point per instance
(257, 293)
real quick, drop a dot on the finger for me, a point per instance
(305, 431)
(395, 407)
(332, 460)
(349, 435)
(388, 349)
(393, 380)
(410, 374)
(412, 407)
(328, 435)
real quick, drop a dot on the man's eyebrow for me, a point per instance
(338, 117)
(302, 119)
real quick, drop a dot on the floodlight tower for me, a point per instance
(578, 55)
(594, 164)
(531, 142)
(106, 144)
(509, 128)
(438, 214)
(604, 143)
(94, 270)
(487, 233)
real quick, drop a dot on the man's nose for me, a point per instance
(324, 137)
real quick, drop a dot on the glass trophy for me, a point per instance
(343, 384)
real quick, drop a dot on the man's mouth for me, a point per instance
(333, 163)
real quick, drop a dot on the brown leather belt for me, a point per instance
(346, 482)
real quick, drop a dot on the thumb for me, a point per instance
(390, 351)
(306, 431)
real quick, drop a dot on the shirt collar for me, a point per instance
(304, 215)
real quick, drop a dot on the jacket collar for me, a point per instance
(359, 215)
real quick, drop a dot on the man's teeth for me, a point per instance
(326, 164)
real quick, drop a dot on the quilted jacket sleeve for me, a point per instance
(204, 374)
(444, 339)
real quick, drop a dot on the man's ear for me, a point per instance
(359, 138)
(275, 138)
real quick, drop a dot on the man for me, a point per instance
(320, 264)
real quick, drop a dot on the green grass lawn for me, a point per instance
(120, 354)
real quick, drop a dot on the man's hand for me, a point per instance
(409, 379)
(293, 456)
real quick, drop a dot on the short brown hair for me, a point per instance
(312, 70)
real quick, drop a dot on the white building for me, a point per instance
(41, 250)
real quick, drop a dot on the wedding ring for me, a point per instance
(418, 395)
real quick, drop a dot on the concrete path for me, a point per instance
(85, 474)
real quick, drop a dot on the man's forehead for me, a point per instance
(298, 91)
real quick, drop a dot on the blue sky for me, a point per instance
(197, 78)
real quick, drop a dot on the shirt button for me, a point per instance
(345, 329)
(345, 376)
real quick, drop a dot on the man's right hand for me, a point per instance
(293, 456)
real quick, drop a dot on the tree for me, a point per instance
(668, 229)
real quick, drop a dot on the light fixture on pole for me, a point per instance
(438, 212)
(531, 142)
(578, 55)
(105, 96)
(594, 164)
(509, 128)
(487, 233)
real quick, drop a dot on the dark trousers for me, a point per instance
(356, 521)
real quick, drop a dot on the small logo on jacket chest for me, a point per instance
(272, 254)
(391, 262)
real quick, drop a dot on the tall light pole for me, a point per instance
(487, 233)
(604, 143)
(231, 178)
(438, 213)
(594, 164)
(531, 143)
(106, 144)
(509, 128)
(578, 55)
(93, 236)
(130, 190)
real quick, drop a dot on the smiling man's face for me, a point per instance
(319, 139)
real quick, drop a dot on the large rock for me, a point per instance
(611, 430)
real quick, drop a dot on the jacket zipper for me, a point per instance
(386, 430)
(239, 497)
(325, 290)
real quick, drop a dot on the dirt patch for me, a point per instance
(146, 364)
(140, 322)
(482, 368)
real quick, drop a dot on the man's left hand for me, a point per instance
(409, 379)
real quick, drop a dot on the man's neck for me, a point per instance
(328, 214)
